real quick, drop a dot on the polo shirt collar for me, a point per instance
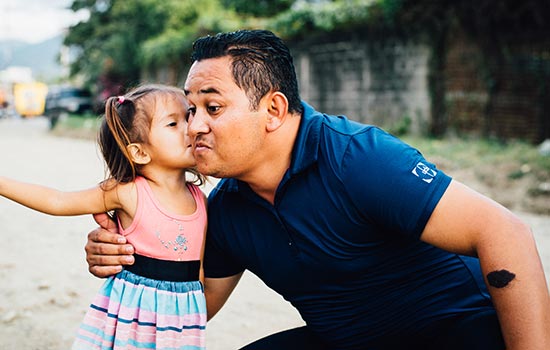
(306, 146)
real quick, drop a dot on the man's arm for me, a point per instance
(466, 222)
(106, 249)
(217, 291)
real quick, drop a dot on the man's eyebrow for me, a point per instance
(204, 91)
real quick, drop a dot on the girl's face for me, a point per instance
(169, 144)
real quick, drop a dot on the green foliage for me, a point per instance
(401, 127)
(121, 38)
(186, 21)
(325, 16)
(258, 8)
(107, 46)
(320, 16)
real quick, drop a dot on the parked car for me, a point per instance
(62, 101)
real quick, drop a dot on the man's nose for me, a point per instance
(197, 124)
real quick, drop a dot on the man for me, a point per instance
(375, 247)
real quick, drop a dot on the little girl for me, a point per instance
(158, 302)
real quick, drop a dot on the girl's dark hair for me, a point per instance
(128, 120)
(261, 63)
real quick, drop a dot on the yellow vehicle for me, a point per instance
(29, 98)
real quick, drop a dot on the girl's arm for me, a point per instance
(54, 202)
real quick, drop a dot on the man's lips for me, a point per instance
(200, 146)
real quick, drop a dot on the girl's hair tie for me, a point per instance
(121, 99)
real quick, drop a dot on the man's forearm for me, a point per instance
(217, 291)
(515, 278)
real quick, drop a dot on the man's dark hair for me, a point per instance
(261, 63)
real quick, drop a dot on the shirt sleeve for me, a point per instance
(391, 183)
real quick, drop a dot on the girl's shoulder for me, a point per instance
(198, 194)
(112, 185)
(123, 193)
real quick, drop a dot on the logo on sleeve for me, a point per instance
(424, 172)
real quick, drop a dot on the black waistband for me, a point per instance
(165, 270)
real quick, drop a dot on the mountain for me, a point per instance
(41, 57)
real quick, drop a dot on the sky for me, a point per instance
(34, 21)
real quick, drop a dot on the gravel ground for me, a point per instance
(47, 287)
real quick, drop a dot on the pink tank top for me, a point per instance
(156, 233)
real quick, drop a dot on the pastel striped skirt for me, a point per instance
(135, 312)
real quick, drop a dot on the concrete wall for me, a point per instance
(486, 89)
(380, 82)
(387, 80)
(495, 91)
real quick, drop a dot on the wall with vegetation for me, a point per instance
(501, 92)
(468, 67)
(381, 81)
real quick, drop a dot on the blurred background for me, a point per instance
(428, 67)
(466, 82)
(472, 69)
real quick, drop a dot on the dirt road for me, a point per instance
(46, 286)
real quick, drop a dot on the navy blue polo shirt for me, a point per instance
(341, 242)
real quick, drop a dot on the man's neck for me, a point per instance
(275, 161)
(266, 185)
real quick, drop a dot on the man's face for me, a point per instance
(227, 135)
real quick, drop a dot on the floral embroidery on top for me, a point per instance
(179, 245)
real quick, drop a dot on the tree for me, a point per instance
(108, 44)
(121, 38)
(185, 21)
(258, 8)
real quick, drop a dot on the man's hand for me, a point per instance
(106, 249)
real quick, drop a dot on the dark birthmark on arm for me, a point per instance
(500, 278)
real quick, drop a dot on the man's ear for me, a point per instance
(138, 154)
(277, 110)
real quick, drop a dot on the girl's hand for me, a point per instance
(106, 249)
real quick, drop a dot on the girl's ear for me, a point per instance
(138, 154)
(277, 110)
